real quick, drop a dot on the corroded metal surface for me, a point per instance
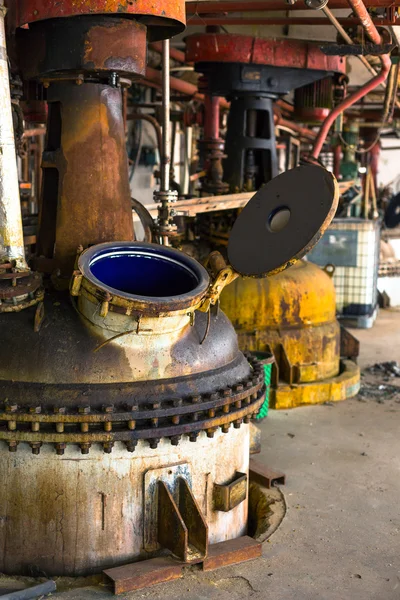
(19, 289)
(181, 526)
(96, 293)
(334, 389)
(246, 49)
(144, 574)
(232, 552)
(86, 513)
(296, 309)
(151, 422)
(86, 170)
(168, 15)
(293, 315)
(229, 495)
(96, 45)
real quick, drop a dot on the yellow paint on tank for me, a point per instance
(294, 309)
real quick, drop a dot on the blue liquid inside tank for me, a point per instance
(143, 275)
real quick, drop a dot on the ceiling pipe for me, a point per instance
(223, 20)
(360, 10)
(207, 7)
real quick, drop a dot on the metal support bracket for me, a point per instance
(182, 528)
(227, 497)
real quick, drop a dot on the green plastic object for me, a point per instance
(263, 412)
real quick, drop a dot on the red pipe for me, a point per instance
(373, 34)
(211, 117)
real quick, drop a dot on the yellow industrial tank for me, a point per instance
(292, 315)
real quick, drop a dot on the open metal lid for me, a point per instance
(283, 221)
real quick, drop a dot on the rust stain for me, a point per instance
(118, 46)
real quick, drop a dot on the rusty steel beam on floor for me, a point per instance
(232, 552)
(264, 475)
(143, 574)
(195, 7)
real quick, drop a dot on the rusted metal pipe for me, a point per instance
(34, 132)
(11, 233)
(290, 20)
(302, 131)
(211, 117)
(179, 85)
(174, 53)
(329, 14)
(194, 7)
(373, 34)
(154, 123)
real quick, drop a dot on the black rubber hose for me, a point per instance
(34, 592)
(146, 220)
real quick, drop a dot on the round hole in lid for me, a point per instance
(278, 219)
(256, 249)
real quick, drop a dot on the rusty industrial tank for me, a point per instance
(293, 315)
(109, 398)
(125, 402)
(128, 409)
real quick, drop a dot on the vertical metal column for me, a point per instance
(11, 233)
(166, 99)
(165, 196)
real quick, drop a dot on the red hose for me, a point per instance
(370, 29)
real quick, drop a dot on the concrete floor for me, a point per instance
(340, 539)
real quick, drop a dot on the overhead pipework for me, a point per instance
(380, 78)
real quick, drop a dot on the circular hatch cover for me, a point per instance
(283, 221)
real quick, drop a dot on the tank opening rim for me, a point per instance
(191, 278)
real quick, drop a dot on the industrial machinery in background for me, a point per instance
(293, 317)
(135, 357)
(285, 315)
(252, 73)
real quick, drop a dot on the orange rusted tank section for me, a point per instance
(86, 195)
(170, 13)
